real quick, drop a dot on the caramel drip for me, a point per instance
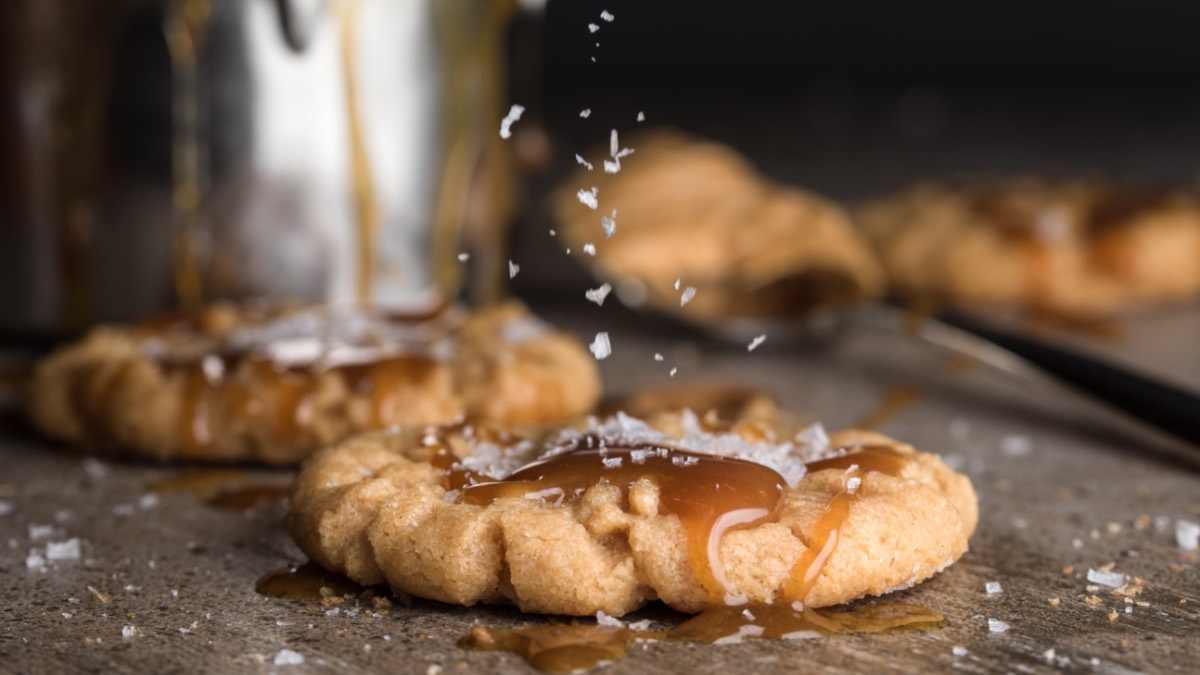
(365, 203)
(249, 497)
(711, 495)
(556, 648)
(390, 383)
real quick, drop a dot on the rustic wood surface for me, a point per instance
(1058, 497)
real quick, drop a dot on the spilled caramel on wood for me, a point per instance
(305, 582)
(894, 401)
(557, 648)
(223, 488)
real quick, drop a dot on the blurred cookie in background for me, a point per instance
(1076, 248)
(680, 213)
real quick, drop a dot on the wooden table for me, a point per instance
(1057, 497)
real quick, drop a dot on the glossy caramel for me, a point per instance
(711, 495)
(305, 582)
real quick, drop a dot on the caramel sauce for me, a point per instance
(366, 205)
(711, 495)
(894, 401)
(249, 497)
(566, 648)
(387, 381)
(305, 582)
(222, 488)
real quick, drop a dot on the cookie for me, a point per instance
(695, 214)
(269, 384)
(608, 516)
(1076, 247)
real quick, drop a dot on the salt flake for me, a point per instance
(688, 294)
(463, 257)
(593, 27)
(63, 550)
(607, 16)
(641, 116)
(588, 198)
(513, 268)
(601, 347)
(583, 162)
(997, 626)
(287, 657)
(585, 113)
(1187, 535)
(1110, 579)
(993, 588)
(589, 249)
(514, 114)
(597, 295)
(756, 342)
(609, 224)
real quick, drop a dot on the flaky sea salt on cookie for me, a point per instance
(270, 384)
(619, 512)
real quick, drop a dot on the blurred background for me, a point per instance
(165, 152)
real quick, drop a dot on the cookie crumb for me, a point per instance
(1092, 600)
(1054, 602)
(1113, 616)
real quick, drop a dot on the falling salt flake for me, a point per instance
(673, 371)
(585, 113)
(63, 550)
(513, 268)
(609, 224)
(129, 631)
(597, 295)
(1016, 446)
(997, 626)
(959, 651)
(514, 114)
(1187, 535)
(688, 294)
(589, 249)
(287, 657)
(35, 561)
(612, 166)
(756, 342)
(583, 162)
(641, 116)
(658, 357)
(40, 531)
(593, 59)
(624, 152)
(993, 588)
(553, 233)
(677, 282)
(462, 257)
(601, 347)
(593, 27)
(588, 198)
(1103, 578)
(614, 146)
(604, 14)
(7, 508)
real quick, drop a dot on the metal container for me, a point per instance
(161, 154)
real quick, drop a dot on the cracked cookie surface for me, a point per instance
(615, 514)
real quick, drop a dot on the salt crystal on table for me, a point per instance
(94, 468)
(514, 114)
(601, 347)
(585, 113)
(129, 631)
(1110, 579)
(658, 357)
(1016, 446)
(993, 588)
(148, 501)
(513, 268)
(607, 16)
(997, 626)
(756, 342)
(40, 531)
(287, 657)
(597, 295)
(688, 294)
(63, 550)
(583, 162)
(959, 651)
(35, 561)
(7, 507)
(1187, 535)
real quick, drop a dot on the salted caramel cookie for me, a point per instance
(268, 384)
(1079, 247)
(607, 516)
(685, 213)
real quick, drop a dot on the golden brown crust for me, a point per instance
(1081, 247)
(684, 209)
(150, 391)
(375, 509)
